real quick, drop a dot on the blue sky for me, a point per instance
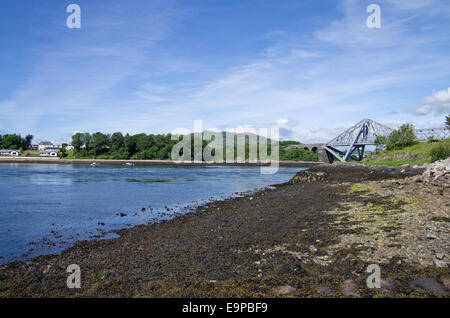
(313, 68)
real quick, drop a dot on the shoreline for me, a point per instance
(239, 247)
(150, 162)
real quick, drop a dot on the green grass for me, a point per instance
(69, 155)
(418, 153)
(30, 153)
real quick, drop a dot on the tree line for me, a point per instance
(156, 147)
(118, 146)
(15, 142)
(140, 146)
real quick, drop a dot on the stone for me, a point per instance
(427, 284)
(431, 236)
(46, 269)
(290, 267)
(417, 179)
(387, 285)
(440, 256)
(440, 263)
(350, 289)
(284, 290)
(324, 290)
(446, 282)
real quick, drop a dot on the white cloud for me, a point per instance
(438, 103)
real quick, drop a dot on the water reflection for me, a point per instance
(45, 207)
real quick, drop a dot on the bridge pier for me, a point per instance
(325, 156)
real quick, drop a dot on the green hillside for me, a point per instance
(418, 153)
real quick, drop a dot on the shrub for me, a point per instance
(441, 150)
(299, 154)
(380, 143)
(402, 137)
(120, 154)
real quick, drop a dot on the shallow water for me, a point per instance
(44, 208)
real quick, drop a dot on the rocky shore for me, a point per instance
(313, 236)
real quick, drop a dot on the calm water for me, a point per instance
(45, 208)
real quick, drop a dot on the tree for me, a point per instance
(62, 153)
(447, 121)
(77, 142)
(380, 143)
(129, 143)
(299, 154)
(26, 143)
(99, 143)
(87, 138)
(12, 141)
(116, 141)
(143, 142)
(402, 137)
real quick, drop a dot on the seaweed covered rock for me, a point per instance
(308, 177)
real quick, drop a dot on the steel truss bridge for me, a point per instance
(435, 133)
(350, 144)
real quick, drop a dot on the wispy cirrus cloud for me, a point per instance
(77, 78)
(343, 73)
(141, 66)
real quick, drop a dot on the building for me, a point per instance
(44, 144)
(48, 153)
(34, 147)
(48, 145)
(70, 147)
(54, 148)
(8, 152)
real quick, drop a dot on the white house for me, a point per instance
(46, 145)
(70, 147)
(8, 152)
(48, 153)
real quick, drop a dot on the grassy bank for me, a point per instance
(419, 153)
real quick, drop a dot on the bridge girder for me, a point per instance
(436, 133)
(363, 134)
(356, 139)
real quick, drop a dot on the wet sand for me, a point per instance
(289, 241)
